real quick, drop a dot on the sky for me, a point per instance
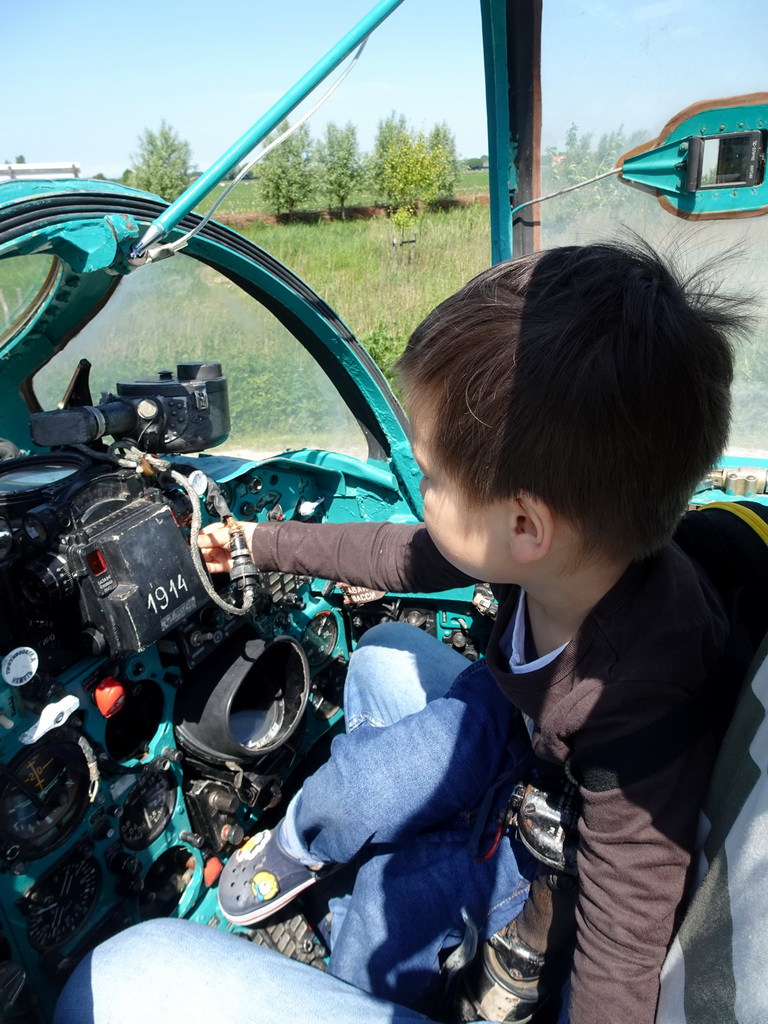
(83, 80)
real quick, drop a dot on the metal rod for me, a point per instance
(200, 188)
(562, 191)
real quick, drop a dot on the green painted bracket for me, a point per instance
(85, 245)
(364, 472)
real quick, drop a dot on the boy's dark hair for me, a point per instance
(591, 377)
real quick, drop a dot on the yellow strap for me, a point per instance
(748, 515)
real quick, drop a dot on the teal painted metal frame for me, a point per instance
(502, 176)
(331, 344)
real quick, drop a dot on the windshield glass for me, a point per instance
(612, 77)
(25, 283)
(180, 310)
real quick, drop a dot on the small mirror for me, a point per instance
(736, 160)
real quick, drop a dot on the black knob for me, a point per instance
(232, 834)
(93, 642)
(47, 581)
(221, 799)
(192, 838)
(41, 525)
(104, 829)
(124, 864)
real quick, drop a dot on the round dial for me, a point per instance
(48, 798)
(320, 637)
(33, 473)
(148, 809)
(23, 480)
(59, 904)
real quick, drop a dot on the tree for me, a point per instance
(442, 144)
(388, 132)
(578, 163)
(162, 163)
(20, 159)
(342, 169)
(409, 169)
(286, 175)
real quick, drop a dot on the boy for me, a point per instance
(564, 406)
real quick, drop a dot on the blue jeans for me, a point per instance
(414, 799)
(415, 787)
(168, 971)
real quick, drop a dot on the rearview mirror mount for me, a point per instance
(708, 162)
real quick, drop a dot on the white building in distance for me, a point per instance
(8, 172)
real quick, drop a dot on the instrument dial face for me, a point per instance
(60, 903)
(36, 473)
(148, 809)
(50, 799)
(320, 638)
(24, 481)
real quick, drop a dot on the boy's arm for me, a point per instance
(634, 858)
(383, 556)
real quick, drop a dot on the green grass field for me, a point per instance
(349, 262)
(472, 183)
(380, 290)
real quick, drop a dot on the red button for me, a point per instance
(109, 696)
(212, 870)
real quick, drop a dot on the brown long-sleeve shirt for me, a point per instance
(646, 648)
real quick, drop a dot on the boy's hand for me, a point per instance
(213, 542)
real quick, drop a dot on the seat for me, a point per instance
(716, 971)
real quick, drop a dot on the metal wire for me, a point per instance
(181, 242)
(562, 191)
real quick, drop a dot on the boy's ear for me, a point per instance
(532, 529)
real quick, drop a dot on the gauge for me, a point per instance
(147, 809)
(319, 638)
(23, 480)
(35, 474)
(43, 797)
(58, 905)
